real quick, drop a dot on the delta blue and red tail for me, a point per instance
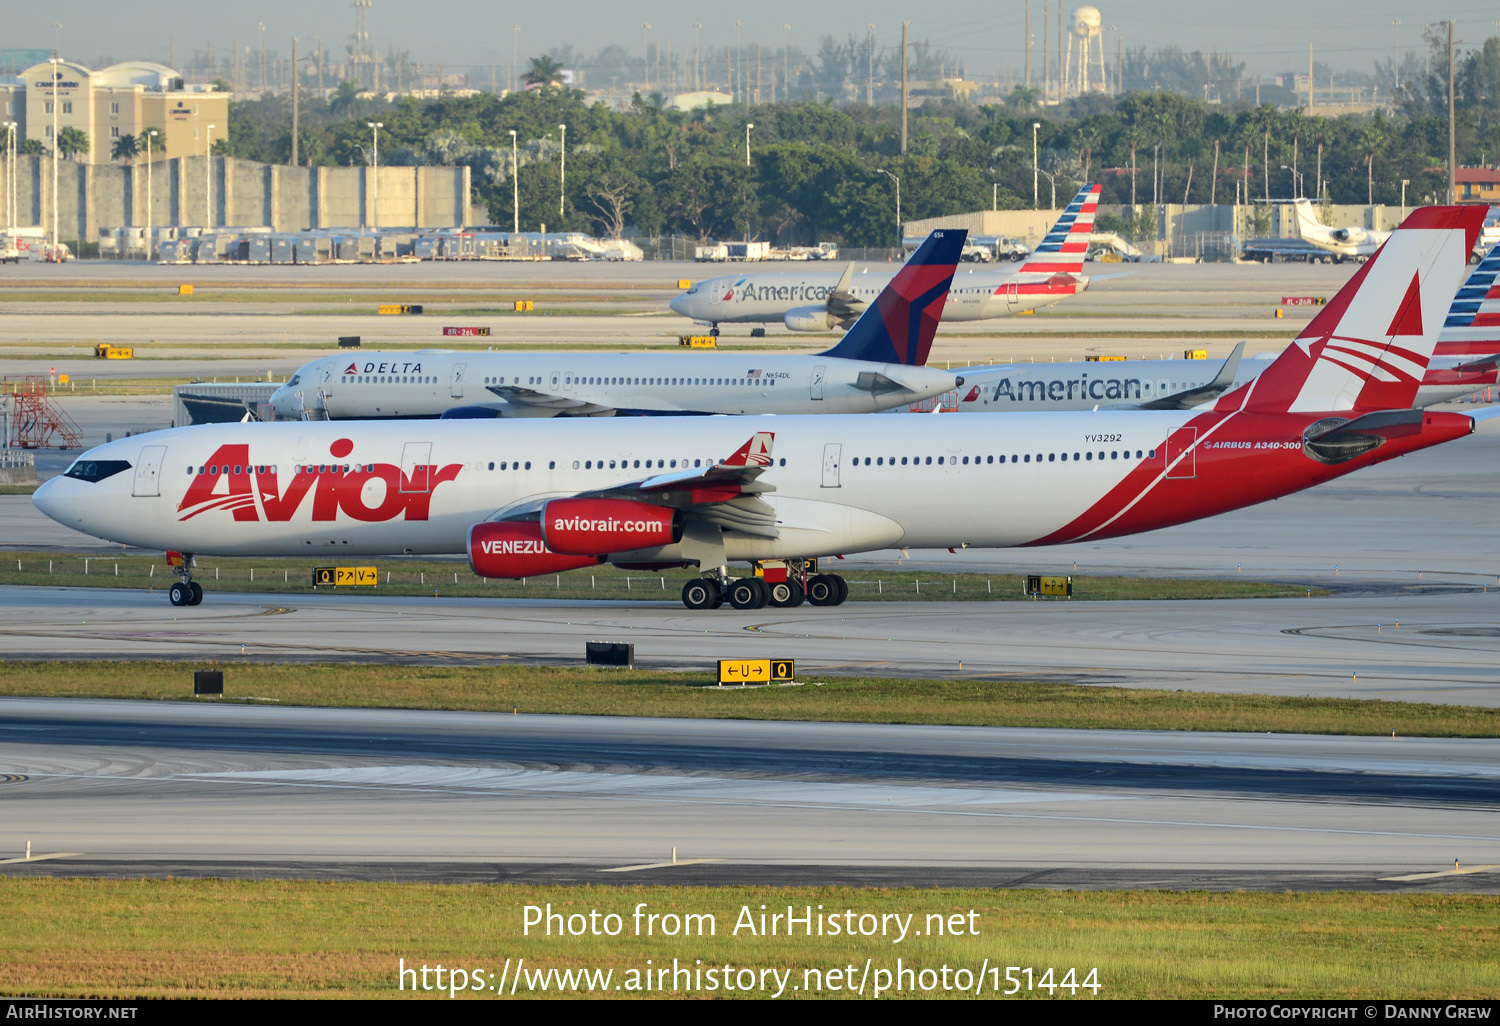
(1369, 348)
(899, 325)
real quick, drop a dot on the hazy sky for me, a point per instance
(1269, 35)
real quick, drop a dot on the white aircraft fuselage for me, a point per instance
(388, 385)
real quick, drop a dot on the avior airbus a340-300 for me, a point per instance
(813, 301)
(531, 497)
(872, 368)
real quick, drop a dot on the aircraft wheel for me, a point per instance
(700, 594)
(748, 593)
(822, 590)
(197, 598)
(180, 594)
(714, 331)
(785, 595)
(843, 587)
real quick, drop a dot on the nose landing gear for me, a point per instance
(186, 591)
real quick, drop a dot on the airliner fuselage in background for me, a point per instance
(530, 497)
(820, 301)
(878, 364)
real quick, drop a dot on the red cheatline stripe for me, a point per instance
(1363, 375)
(1493, 293)
(1075, 247)
(1487, 320)
(1081, 229)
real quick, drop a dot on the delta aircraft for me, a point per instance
(1465, 360)
(533, 497)
(1348, 243)
(819, 302)
(871, 369)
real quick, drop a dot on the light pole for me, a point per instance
(515, 189)
(748, 125)
(515, 44)
(645, 55)
(151, 134)
(697, 55)
(739, 72)
(1297, 177)
(1034, 126)
(1404, 183)
(208, 178)
(54, 61)
(375, 127)
(10, 180)
(898, 202)
(562, 172)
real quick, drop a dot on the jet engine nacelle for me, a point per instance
(515, 550)
(1350, 235)
(585, 526)
(810, 318)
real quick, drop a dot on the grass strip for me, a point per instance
(453, 578)
(299, 939)
(975, 702)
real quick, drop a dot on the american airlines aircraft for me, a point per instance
(1465, 360)
(1344, 243)
(877, 365)
(813, 301)
(533, 497)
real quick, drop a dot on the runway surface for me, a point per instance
(1446, 648)
(140, 788)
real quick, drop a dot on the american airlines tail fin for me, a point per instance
(1369, 348)
(1067, 243)
(898, 326)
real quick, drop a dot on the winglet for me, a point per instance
(898, 327)
(756, 452)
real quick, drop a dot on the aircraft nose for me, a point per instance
(679, 305)
(48, 499)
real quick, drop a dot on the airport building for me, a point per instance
(120, 100)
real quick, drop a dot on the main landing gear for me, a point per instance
(782, 586)
(186, 591)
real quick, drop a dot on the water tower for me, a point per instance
(1087, 39)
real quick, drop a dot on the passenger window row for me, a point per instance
(1048, 457)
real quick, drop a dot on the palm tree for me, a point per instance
(1372, 139)
(72, 141)
(127, 147)
(1022, 98)
(544, 72)
(1088, 138)
(341, 103)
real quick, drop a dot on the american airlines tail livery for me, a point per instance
(877, 365)
(812, 301)
(530, 497)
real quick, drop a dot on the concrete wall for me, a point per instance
(244, 193)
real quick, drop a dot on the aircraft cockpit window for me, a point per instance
(296, 380)
(96, 470)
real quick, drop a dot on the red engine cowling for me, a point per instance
(608, 525)
(517, 550)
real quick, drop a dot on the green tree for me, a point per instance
(126, 148)
(72, 141)
(544, 72)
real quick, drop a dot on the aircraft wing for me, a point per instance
(1190, 397)
(726, 494)
(528, 402)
